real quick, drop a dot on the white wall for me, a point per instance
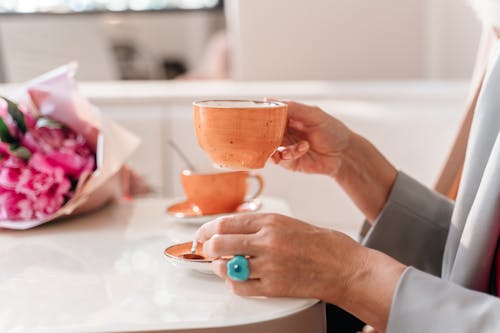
(454, 29)
(269, 39)
(351, 39)
(177, 34)
(30, 45)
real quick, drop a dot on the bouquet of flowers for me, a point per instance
(58, 153)
(41, 163)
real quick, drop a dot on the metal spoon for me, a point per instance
(181, 155)
(194, 246)
(193, 255)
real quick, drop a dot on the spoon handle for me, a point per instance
(181, 154)
(194, 246)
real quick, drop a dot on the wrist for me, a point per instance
(340, 262)
(371, 288)
(365, 175)
(356, 268)
(347, 159)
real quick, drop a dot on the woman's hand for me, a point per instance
(287, 257)
(314, 141)
(290, 258)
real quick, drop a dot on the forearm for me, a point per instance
(366, 176)
(369, 292)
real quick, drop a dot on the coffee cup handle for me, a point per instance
(260, 183)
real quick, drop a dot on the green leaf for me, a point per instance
(5, 135)
(20, 152)
(17, 115)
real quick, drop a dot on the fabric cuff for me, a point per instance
(413, 225)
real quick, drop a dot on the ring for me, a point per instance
(237, 268)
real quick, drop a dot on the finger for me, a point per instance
(299, 112)
(295, 124)
(228, 245)
(291, 152)
(219, 266)
(238, 224)
(289, 165)
(247, 288)
(220, 269)
(276, 157)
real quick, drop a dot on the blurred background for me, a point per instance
(239, 39)
(387, 68)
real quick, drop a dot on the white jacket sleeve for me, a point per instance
(424, 303)
(413, 225)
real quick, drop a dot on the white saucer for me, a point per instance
(183, 212)
(174, 252)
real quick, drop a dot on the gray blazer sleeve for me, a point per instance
(413, 225)
(424, 303)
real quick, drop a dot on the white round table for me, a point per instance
(106, 272)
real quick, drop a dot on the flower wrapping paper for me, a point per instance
(55, 95)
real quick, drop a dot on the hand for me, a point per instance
(314, 141)
(290, 258)
(287, 257)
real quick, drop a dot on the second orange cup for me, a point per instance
(219, 192)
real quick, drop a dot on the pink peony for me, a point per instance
(15, 206)
(42, 178)
(40, 166)
(72, 164)
(31, 190)
(9, 178)
(10, 171)
(63, 148)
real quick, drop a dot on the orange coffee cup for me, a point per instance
(219, 192)
(239, 134)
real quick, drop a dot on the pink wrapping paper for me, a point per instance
(55, 95)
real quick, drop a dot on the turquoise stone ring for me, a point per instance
(237, 268)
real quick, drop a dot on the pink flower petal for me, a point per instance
(15, 206)
(40, 163)
(71, 163)
(9, 178)
(3, 107)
